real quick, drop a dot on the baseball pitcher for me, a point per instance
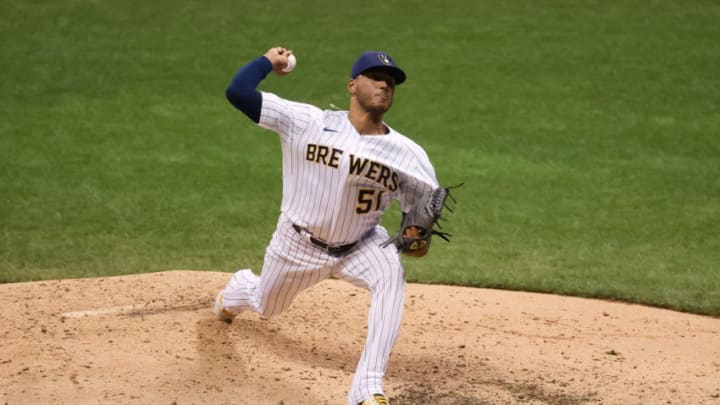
(341, 170)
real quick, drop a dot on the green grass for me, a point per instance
(586, 134)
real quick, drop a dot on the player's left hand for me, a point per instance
(422, 245)
(416, 229)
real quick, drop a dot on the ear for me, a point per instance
(351, 86)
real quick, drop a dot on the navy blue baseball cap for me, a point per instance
(377, 59)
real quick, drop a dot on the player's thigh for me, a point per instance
(371, 265)
(284, 275)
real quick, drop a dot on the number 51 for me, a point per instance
(368, 199)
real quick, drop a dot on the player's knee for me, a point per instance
(391, 281)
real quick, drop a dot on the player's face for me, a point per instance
(374, 90)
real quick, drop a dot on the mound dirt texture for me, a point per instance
(153, 339)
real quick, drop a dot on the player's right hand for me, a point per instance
(278, 56)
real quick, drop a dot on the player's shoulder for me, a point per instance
(272, 100)
(335, 115)
(407, 142)
(336, 121)
(402, 138)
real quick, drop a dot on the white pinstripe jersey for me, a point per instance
(336, 182)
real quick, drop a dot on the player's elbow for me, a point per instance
(238, 98)
(249, 102)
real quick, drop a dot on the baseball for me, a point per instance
(292, 61)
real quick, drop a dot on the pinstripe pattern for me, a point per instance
(311, 191)
(292, 264)
(336, 185)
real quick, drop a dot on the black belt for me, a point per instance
(338, 250)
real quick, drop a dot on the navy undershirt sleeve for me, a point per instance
(242, 91)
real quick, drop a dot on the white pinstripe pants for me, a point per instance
(293, 264)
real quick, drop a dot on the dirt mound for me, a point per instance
(152, 339)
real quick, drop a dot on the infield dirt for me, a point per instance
(153, 339)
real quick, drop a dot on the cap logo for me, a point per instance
(384, 59)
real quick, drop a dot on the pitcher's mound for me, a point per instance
(153, 339)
